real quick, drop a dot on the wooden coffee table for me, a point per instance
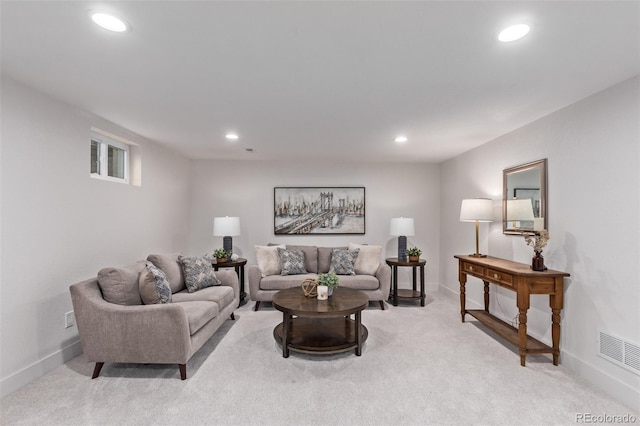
(317, 326)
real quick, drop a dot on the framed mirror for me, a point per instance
(524, 198)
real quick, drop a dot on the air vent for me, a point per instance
(620, 351)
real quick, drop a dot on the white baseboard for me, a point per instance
(579, 368)
(38, 369)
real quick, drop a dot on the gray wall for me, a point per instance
(593, 151)
(60, 226)
(245, 189)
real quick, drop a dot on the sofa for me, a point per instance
(131, 314)
(372, 275)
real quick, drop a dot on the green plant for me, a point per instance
(414, 251)
(330, 280)
(221, 253)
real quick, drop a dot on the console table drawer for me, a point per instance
(501, 277)
(473, 269)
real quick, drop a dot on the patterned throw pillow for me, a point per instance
(154, 285)
(292, 262)
(343, 261)
(198, 273)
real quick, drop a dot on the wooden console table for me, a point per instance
(520, 278)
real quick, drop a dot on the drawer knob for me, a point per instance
(471, 268)
(496, 276)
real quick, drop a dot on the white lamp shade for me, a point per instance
(226, 226)
(479, 209)
(402, 226)
(519, 210)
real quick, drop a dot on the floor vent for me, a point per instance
(620, 351)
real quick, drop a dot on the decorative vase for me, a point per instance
(330, 292)
(221, 259)
(537, 262)
(323, 292)
(414, 258)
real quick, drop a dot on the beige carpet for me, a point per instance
(419, 366)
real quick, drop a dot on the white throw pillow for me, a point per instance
(268, 259)
(368, 259)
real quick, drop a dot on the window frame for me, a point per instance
(103, 157)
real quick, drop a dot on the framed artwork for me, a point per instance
(318, 210)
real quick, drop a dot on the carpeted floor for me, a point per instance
(419, 366)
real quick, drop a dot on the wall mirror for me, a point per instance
(524, 198)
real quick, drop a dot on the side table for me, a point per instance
(402, 293)
(238, 265)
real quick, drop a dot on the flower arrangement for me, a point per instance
(414, 251)
(221, 254)
(330, 280)
(538, 240)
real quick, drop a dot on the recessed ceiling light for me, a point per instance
(401, 139)
(513, 32)
(109, 22)
(232, 136)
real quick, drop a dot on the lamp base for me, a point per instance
(478, 255)
(402, 248)
(227, 244)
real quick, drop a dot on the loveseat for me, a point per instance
(130, 315)
(372, 276)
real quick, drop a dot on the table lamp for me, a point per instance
(476, 210)
(226, 227)
(401, 227)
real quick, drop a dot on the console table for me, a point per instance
(520, 278)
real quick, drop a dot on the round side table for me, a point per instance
(238, 265)
(404, 293)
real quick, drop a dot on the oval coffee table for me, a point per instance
(317, 326)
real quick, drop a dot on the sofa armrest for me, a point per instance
(383, 274)
(140, 333)
(254, 275)
(229, 278)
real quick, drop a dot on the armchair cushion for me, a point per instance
(120, 285)
(153, 285)
(198, 273)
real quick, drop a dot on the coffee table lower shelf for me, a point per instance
(321, 336)
(508, 332)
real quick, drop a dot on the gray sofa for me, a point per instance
(317, 260)
(115, 326)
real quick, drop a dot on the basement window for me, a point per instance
(109, 159)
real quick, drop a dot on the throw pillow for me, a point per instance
(154, 285)
(268, 259)
(292, 262)
(343, 261)
(198, 273)
(368, 259)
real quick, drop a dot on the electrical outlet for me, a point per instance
(69, 320)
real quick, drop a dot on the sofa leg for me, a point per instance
(233, 317)
(381, 304)
(257, 307)
(96, 369)
(183, 371)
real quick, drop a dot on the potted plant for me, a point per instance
(414, 254)
(221, 255)
(329, 280)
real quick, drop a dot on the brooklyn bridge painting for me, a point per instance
(318, 210)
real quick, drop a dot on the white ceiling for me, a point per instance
(321, 79)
